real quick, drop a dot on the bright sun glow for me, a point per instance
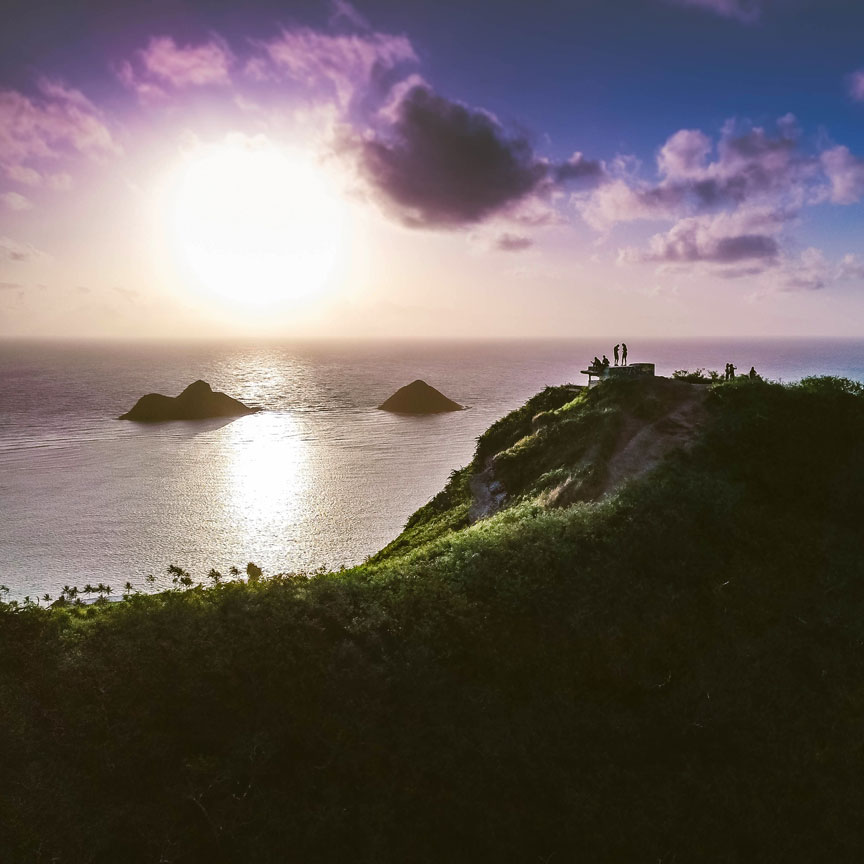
(255, 224)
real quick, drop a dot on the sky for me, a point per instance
(397, 168)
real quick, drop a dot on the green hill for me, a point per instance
(632, 629)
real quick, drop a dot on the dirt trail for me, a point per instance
(640, 447)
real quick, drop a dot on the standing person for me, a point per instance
(615, 353)
(752, 373)
(623, 353)
(726, 372)
(732, 368)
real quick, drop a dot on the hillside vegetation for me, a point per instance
(632, 629)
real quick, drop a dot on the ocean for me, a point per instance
(319, 478)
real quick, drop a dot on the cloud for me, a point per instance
(739, 272)
(341, 10)
(618, 201)
(12, 250)
(685, 154)
(578, 168)
(729, 203)
(347, 65)
(856, 85)
(747, 11)
(165, 63)
(747, 165)
(850, 267)
(23, 175)
(720, 239)
(845, 172)
(513, 242)
(147, 91)
(811, 272)
(61, 120)
(15, 201)
(188, 65)
(443, 164)
(129, 294)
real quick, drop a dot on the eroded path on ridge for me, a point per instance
(641, 446)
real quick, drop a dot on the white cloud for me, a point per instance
(15, 201)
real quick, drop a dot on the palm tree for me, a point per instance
(89, 589)
(214, 576)
(234, 571)
(107, 589)
(46, 597)
(127, 588)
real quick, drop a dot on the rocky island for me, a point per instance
(197, 402)
(418, 397)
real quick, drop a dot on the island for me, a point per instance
(418, 397)
(197, 402)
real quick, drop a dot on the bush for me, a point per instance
(671, 673)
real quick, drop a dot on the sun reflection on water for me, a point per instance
(266, 477)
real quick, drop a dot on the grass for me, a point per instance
(671, 673)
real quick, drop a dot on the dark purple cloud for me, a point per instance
(744, 247)
(513, 243)
(722, 250)
(438, 163)
(578, 168)
(442, 164)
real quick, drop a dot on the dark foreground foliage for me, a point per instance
(673, 674)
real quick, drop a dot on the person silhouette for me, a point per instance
(623, 353)
(732, 369)
(615, 354)
(752, 373)
(605, 362)
(727, 374)
(596, 362)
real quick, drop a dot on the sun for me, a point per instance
(255, 224)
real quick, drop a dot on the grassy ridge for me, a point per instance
(672, 673)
